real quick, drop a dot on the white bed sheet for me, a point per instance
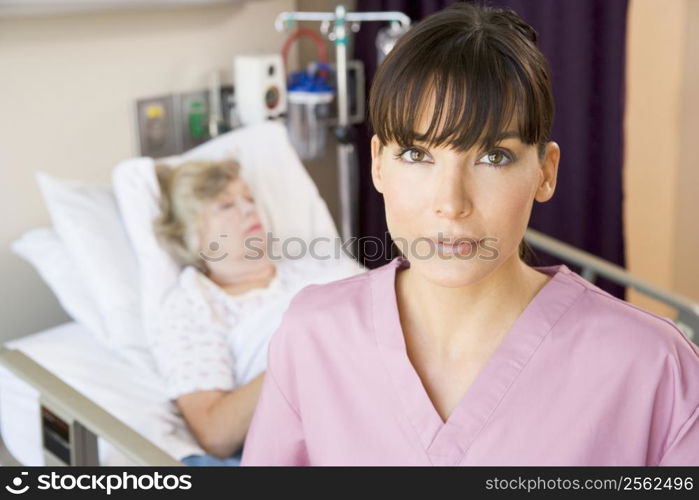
(134, 396)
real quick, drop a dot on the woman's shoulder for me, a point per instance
(299, 274)
(334, 287)
(331, 311)
(189, 291)
(615, 324)
(323, 321)
(339, 268)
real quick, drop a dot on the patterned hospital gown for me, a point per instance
(208, 339)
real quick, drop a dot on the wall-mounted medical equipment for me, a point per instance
(343, 23)
(260, 87)
(173, 123)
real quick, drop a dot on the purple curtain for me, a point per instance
(584, 42)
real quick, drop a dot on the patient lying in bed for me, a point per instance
(215, 324)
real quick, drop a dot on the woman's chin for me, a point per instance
(451, 271)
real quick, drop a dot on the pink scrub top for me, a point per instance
(582, 378)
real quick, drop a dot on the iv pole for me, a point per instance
(347, 161)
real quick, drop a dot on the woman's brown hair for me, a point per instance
(483, 64)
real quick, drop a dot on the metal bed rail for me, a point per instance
(593, 267)
(70, 422)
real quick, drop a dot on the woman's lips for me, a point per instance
(462, 248)
(254, 228)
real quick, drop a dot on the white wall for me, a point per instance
(67, 89)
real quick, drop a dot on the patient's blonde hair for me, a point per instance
(185, 190)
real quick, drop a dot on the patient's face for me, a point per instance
(227, 224)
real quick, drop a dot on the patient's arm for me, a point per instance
(220, 419)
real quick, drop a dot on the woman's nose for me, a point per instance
(451, 198)
(247, 206)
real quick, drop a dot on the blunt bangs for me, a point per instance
(471, 75)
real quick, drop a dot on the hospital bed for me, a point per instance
(88, 392)
(66, 398)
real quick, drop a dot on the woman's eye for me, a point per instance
(228, 205)
(413, 155)
(495, 158)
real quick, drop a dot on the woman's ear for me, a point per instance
(376, 163)
(549, 170)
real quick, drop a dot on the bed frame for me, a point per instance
(70, 422)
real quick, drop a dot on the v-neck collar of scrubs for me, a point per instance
(446, 443)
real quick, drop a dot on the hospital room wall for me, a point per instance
(661, 168)
(686, 250)
(67, 89)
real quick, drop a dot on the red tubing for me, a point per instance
(301, 32)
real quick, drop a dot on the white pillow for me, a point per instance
(86, 218)
(44, 250)
(138, 193)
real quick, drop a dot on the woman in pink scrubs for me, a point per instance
(458, 352)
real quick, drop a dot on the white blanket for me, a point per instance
(132, 395)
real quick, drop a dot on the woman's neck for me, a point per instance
(237, 280)
(454, 318)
